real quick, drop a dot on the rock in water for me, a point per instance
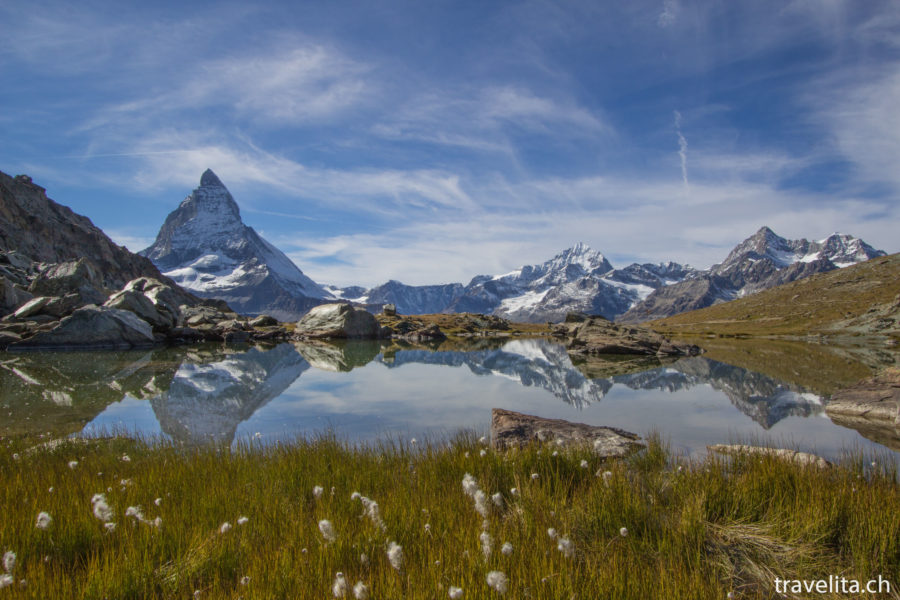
(510, 428)
(338, 321)
(206, 248)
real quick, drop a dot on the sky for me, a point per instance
(429, 142)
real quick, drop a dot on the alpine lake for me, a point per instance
(771, 393)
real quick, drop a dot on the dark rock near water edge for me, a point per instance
(871, 407)
(598, 336)
(95, 327)
(509, 428)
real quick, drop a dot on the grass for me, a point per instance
(695, 529)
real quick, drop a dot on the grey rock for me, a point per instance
(94, 326)
(32, 307)
(81, 276)
(338, 321)
(11, 297)
(263, 321)
(143, 307)
(596, 335)
(801, 458)
(509, 428)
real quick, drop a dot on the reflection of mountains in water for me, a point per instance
(534, 363)
(206, 401)
(541, 363)
(203, 393)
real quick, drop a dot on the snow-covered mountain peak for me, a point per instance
(206, 248)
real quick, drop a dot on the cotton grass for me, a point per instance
(327, 530)
(395, 555)
(497, 581)
(43, 520)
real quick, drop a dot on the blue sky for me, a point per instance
(433, 141)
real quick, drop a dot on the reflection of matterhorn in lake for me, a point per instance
(206, 401)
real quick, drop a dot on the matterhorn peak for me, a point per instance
(209, 179)
(206, 248)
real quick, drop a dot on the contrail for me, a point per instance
(682, 151)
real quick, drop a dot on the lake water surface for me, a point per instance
(362, 391)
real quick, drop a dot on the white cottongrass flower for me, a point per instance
(100, 508)
(225, 527)
(245, 580)
(197, 593)
(109, 526)
(43, 520)
(455, 593)
(535, 476)
(242, 520)
(135, 511)
(623, 532)
(481, 504)
(15, 456)
(6, 580)
(483, 452)
(373, 512)
(428, 528)
(506, 549)
(497, 581)
(157, 522)
(73, 464)
(486, 544)
(50, 489)
(361, 591)
(413, 441)
(470, 486)
(327, 530)
(467, 454)
(126, 458)
(584, 464)
(497, 499)
(395, 555)
(482, 440)
(552, 533)
(125, 482)
(566, 546)
(355, 496)
(513, 491)
(606, 475)
(555, 453)
(318, 491)
(364, 559)
(9, 561)
(158, 502)
(339, 587)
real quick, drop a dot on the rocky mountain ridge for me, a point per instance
(762, 261)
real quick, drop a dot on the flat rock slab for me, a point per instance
(510, 428)
(876, 398)
(802, 458)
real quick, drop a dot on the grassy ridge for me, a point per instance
(694, 530)
(831, 303)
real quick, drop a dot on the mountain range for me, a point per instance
(206, 248)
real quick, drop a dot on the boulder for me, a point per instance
(11, 297)
(81, 276)
(136, 302)
(389, 310)
(876, 398)
(596, 335)
(94, 326)
(263, 321)
(164, 297)
(338, 321)
(510, 428)
(33, 307)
